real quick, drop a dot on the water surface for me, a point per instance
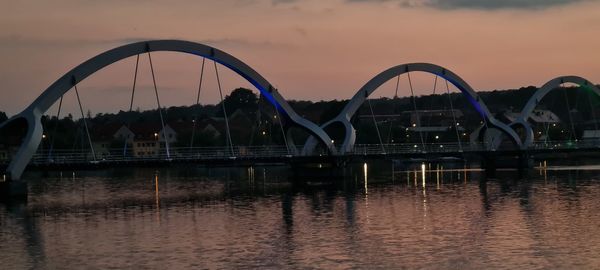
(175, 218)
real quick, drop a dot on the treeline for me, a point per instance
(259, 115)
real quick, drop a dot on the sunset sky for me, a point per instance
(310, 49)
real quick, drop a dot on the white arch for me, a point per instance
(34, 112)
(539, 95)
(372, 85)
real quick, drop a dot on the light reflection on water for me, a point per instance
(422, 217)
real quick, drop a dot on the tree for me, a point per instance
(241, 98)
(3, 117)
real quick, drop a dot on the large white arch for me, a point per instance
(34, 112)
(372, 85)
(539, 95)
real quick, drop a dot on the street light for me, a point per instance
(43, 139)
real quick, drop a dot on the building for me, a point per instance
(148, 139)
(432, 125)
(546, 125)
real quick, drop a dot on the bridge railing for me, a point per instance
(408, 148)
(571, 144)
(274, 151)
(175, 153)
(204, 153)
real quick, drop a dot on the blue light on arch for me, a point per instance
(264, 92)
(466, 94)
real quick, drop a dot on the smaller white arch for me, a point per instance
(372, 85)
(540, 94)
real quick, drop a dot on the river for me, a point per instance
(426, 217)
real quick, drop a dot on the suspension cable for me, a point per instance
(257, 120)
(547, 128)
(137, 61)
(162, 121)
(418, 123)
(568, 112)
(55, 127)
(287, 147)
(389, 137)
(197, 103)
(453, 117)
(87, 131)
(431, 108)
(376, 126)
(227, 130)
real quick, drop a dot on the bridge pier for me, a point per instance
(489, 165)
(491, 161)
(524, 164)
(13, 190)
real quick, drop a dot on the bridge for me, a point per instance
(336, 139)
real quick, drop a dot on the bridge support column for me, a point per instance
(13, 190)
(488, 163)
(524, 163)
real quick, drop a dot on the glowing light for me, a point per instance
(414, 125)
(264, 133)
(423, 173)
(332, 141)
(437, 137)
(43, 136)
(365, 171)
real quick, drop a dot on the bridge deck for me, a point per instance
(280, 154)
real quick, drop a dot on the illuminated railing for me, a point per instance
(181, 154)
(279, 152)
(572, 144)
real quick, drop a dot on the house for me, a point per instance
(545, 123)
(430, 124)
(146, 139)
(102, 139)
(591, 134)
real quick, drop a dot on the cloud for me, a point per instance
(479, 4)
(18, 41)
(15, 40)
